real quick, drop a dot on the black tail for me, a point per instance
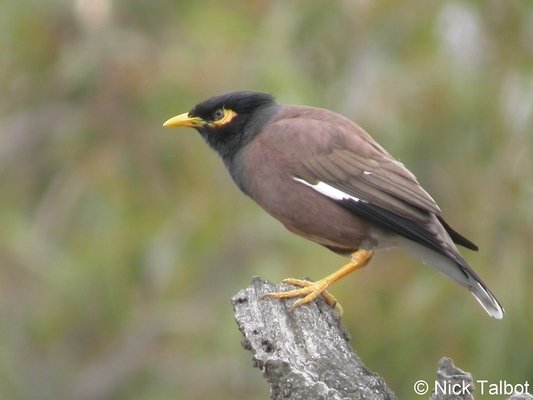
(457, 237)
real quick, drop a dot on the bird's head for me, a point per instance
(229, 121)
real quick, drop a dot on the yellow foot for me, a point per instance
(309, 291)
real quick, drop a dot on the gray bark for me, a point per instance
(306, 354)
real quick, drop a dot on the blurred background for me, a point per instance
(121, 243)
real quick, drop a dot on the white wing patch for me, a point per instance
(330, 191)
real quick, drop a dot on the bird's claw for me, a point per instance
(308, 292)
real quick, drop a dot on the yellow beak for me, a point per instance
(185, 120)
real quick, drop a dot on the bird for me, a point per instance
(327, 180)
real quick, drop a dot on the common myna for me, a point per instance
(324, 178)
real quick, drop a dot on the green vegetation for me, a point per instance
(121, 242)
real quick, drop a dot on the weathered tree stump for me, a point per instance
(306, 354)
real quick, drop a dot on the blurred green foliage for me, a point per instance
(121, 242)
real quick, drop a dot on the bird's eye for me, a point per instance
(218, 114)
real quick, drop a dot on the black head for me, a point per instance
(229, 121)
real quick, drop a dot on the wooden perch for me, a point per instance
(303, 354)
(306, 354)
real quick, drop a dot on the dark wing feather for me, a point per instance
(407, 228)
(457, 237)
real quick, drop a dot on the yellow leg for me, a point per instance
(309, 291)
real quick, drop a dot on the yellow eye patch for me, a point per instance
(226, 119)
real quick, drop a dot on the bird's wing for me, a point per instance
(351, 161)
(369, 176)
(347, 165)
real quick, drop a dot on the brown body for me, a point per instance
(276, 157)
(280, 153)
